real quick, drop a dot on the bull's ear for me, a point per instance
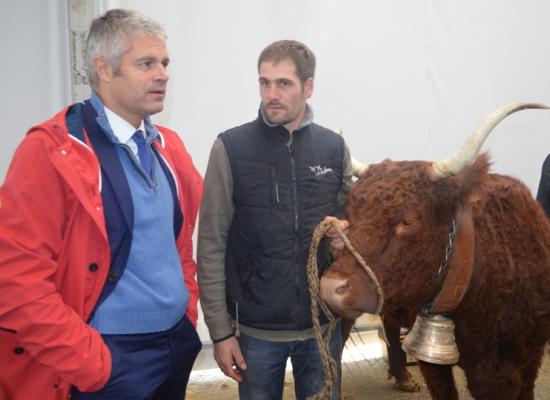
(469, 183)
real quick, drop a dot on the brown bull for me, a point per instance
(493, 282)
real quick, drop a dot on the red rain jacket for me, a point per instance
(55, 257)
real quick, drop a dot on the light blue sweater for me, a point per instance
(151, 295)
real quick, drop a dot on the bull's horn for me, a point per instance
(468, 151)
(358, 167)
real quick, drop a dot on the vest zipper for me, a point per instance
(290, 146)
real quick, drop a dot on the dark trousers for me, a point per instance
(150, 366)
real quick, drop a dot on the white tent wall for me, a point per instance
(34, 69)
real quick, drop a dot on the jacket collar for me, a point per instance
(308, 118)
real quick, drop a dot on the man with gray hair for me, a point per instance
(99, 298)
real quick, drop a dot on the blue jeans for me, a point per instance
(149, 366)
(266, 363)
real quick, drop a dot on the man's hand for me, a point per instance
(335, 242)
(229, 358)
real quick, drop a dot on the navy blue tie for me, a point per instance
(144, 153)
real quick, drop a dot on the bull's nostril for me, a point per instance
(340, 290)
(332, 290)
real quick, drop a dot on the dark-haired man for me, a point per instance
(268, 184)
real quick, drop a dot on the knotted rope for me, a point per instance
(329, 365)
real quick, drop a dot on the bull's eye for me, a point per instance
(404, 226)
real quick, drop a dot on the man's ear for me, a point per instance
(103, 69)
(308, 88)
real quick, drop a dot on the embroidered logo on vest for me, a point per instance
(318, 170)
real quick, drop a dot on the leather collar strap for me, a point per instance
(461, 265)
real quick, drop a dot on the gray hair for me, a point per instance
(110, 36)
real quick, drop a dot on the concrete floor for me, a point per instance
(363, 373)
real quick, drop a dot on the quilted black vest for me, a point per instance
(283, 186)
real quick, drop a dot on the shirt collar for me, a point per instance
(122, 129)
(108, 123)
